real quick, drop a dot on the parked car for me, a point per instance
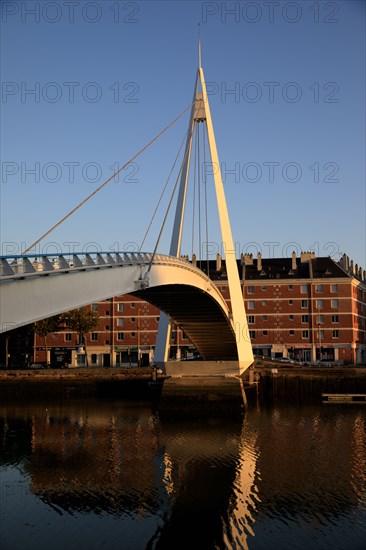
(286, 360)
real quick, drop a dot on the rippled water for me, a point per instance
(93, 474)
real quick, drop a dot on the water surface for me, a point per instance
(106, 474)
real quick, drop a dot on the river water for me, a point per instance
(101, 474)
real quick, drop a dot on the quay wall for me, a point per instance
(45, 383)
(263, 385)
(305, 384)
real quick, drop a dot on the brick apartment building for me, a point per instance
(305, 308)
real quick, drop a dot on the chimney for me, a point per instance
(218, 262)
(259, 261)
(307, 256)
(347, 264)
(293, 263)
(342, 262)
(351, 267)
(194, 259)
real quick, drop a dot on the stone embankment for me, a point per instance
(266, 382)
(124, 382)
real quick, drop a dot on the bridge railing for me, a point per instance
(30, 265)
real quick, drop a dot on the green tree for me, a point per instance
(82, 321)
(44, 327)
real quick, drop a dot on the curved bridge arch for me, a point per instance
(35, 288)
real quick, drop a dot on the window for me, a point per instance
(133, 319)
(94, 336)
(68, 337)
(304, 289)
(93, 358)
(107, 342)
(251, 319)
(133, 333)
(120, 336)
(265, 332)
(264, 317)
(290, 287)
(304, 303)
(250, 289)
(121, 307)
(264, 288)
(120, 322)
(292, 333)
(321, 334)
(264, 303)
(320, 319)
(290, 302)
(335, 318)
(133, 304)
(107, 327)
(319, 304)
(335, 334)
(250, 304)
(291, 317)
(334, 304)
(318, 288)
(304, 318)
(334, 288)
(79, 339)
(94, 307)
(305, 334)
(252, 334)
(107, 312)
(80, 359)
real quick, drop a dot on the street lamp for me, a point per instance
(178, 354)
(320, 337)
(138, 337)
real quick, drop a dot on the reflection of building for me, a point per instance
(96, 460)
(202, 481)
(311, 464)
(303, 307)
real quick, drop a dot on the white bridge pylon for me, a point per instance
(201, 113)
(34, 288)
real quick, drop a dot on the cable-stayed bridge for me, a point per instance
(34, 287)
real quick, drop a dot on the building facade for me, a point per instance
(306, 308)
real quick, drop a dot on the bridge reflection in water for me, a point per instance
(134, 478)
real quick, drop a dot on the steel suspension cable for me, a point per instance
(108, 180)
(169, 205)
(162, 194)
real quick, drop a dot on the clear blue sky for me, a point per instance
(109, 75)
